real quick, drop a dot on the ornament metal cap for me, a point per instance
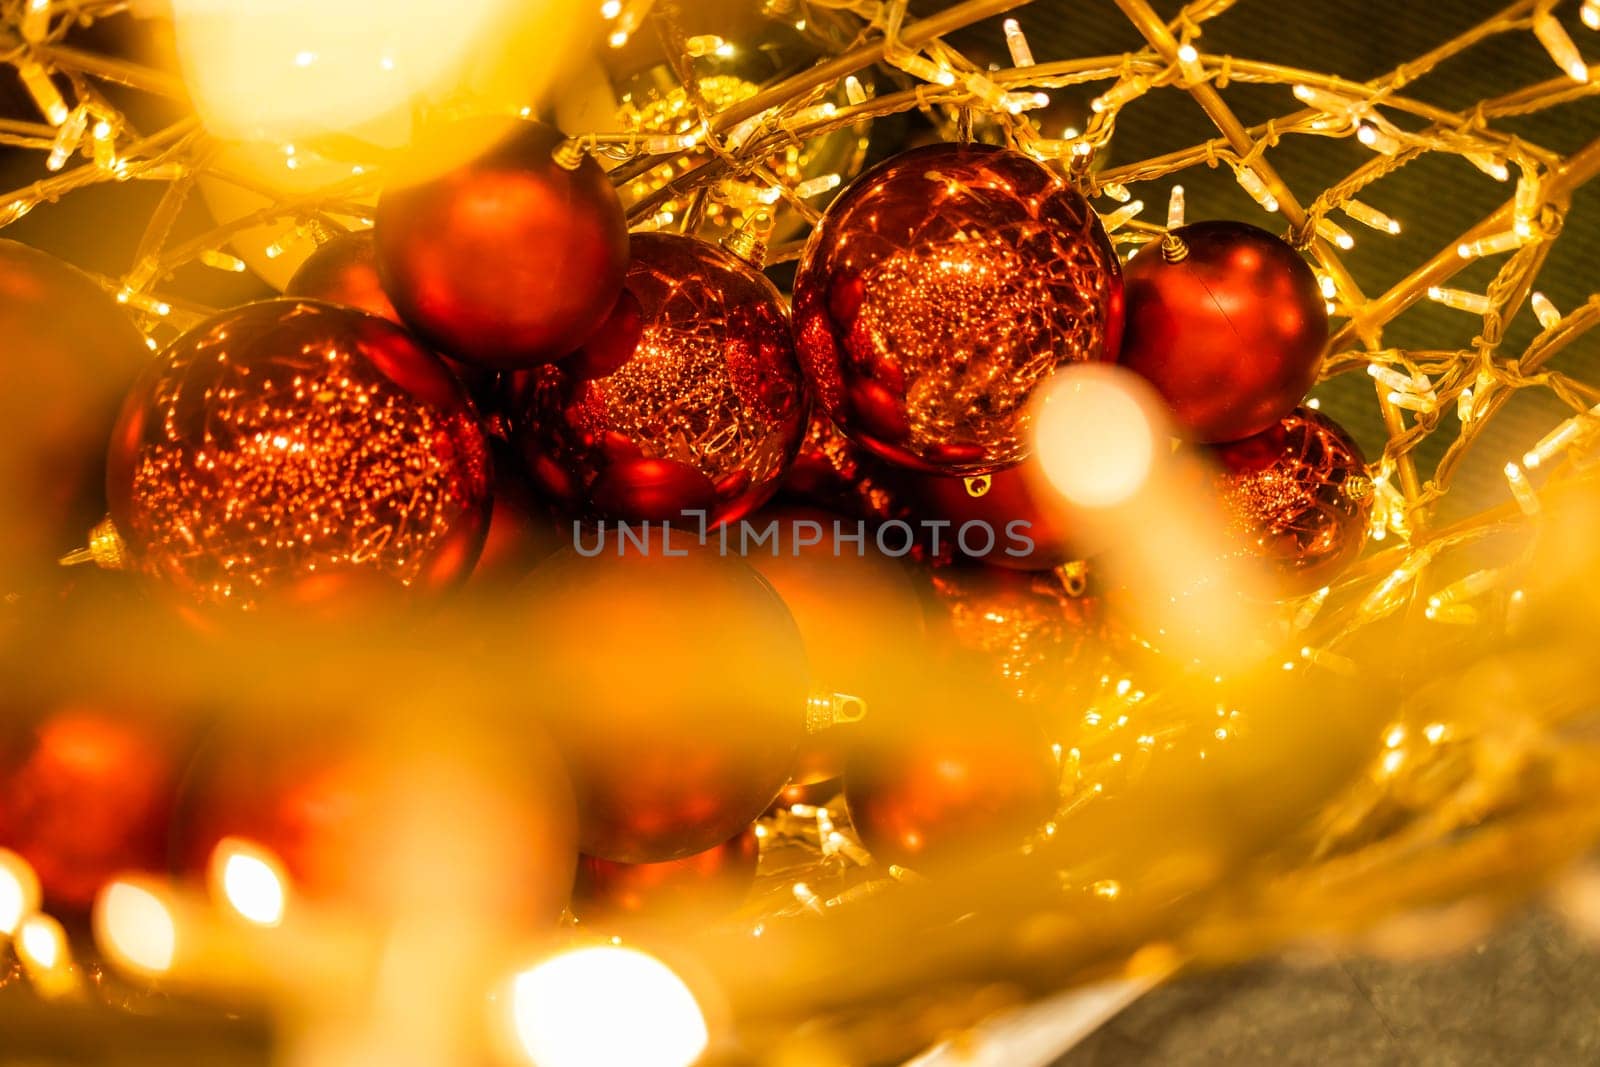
(106, 549)
(1173, 250)
(830, 709)
(749, 242)
(570, 154)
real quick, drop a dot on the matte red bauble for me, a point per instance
(940, 290)
(345, 271)
(675, 687)
(704, 884)
(507, 260)
(1228, 325)
(947, 783)
(86, 795)
(70, 355)
(688, 399)
(1297, 497)
(282, 445)
(1014, 519)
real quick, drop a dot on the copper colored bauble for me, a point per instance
(1297, 497)
(284, 444)
(344, 270)
(1011, 518)
(85, 795)
(329, 796)
(704, 884)
(949, 782)
(1035, 635)
(70, 355)
(940, 290)
(688, 399)
(1228, 325)
(675, 686)
(507, 260)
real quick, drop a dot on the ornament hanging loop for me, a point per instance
(978, 485)
(749, 242)
(105, 549)
(1173, 250)
(833, 709)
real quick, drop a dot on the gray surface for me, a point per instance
(1528, 996)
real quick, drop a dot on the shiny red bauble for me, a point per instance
(675, 686)
(956, 779)
(1297, 498)
(70, 355)
(86, 794)
(1011, 518)
(705, 884)
(1229, 326)
(689, 399)
(508, 259)
(282, 446)
(940, 290)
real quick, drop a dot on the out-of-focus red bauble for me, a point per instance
(87, 794)
(344, 270)
(1230, 334)
(853, 605)
(281, 443)
(1297, 497)
(688, 399)
(706, 883)
(509, 259)
(1018, 521)
(70, 355)
(952, 780)
(521, 533)
(323, 796)
(1027, 632)
(832, 472)
(675, 687)
(940, 290)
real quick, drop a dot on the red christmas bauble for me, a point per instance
(939, 291)
(344, 270)
(704, 884)
(521, 533)
(688, 399)
(70, 355)
(86, 794)
(949, 781)
(1229, 330)
(675, 686)
(1015, 521)
(327, 798)
(509, 259)
(1297, 497)
(284, 445)
(830, 471)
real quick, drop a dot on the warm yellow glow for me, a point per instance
(1095, 435)
(135, 929)
(607, 1005)
(284, 68)
(41, 942)
(19, 891)
(250, 880)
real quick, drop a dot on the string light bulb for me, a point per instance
(1371, 217)
(1558, 43)
(19, 891)
(1017, 44)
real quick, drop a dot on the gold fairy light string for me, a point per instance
(86, 142)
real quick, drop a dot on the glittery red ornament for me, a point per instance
(940, 290)
(1229, 327)
(283, 445)
(1297, 497)
(344, 270)
(934, 787)
(509, 259)
(1011, 518)
(704, 884)
(86, 795)
(70, 355)
(688, 399)
(676, 688)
